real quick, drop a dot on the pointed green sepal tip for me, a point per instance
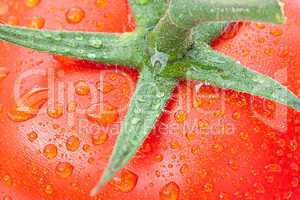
(104, 179)
(151, 94)
(112, 48)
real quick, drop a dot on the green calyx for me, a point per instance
(171, 42)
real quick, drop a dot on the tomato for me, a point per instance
(209, 144)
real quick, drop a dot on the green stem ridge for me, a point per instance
(172, 42)
(152, 93)
(122, 49)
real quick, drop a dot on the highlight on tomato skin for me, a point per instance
(210, 143)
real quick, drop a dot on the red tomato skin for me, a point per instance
(212, 143)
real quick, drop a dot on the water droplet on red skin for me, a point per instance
(125, 182)
(28, 105)
(104, 114)
(169, 192)
(64, 169)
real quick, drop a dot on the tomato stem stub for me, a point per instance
(171, 42)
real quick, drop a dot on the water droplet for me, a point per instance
(218, 148)
(79, 38)
(195, 150)
(281, 143)
(202, 173)
(82, 88)
(157, 173)
(91, 161)
(7, 197)
(101, 3)
(203, 124)
(175, 144)
(276, 31)
(293, 145)
(287, 195)
(32, 3)
(159, 59)
(233, 165)
(55, 112)
(158, 158)
(273, 168)
(169, 192)
(72, 107)
(142, 2)
(260, 26)
(95, 42)
(294, 166)
(75, 185)
(32, 136)
(91, 56)
(224, 196)
(64, 169)
(244, 136)
(73, 143)
(99, 138)
(104, 87)
(180, 116)
(3, 73)
(184, 169)
(104, 114)
(58, 37)
(269, 179)
(50, 151)
(37, 22)
(146, 147)
(86, 148)
(34, 170)
(160, 95)
(29, 104)
(156, 106)
(47, 35)
(48, 189)
(138, 110)
(268, 52)
(126, 182)
(236, 115)
(135, 120)
(295, 182)
(75, 15)
(7, 180)
(191, 136)
(208, 187)
(259, 188)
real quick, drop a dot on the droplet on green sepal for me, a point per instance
(79, 38)
(159, 59)
(160, 94)
(92, 56)
(95, 42)
(142, 2)
(57, 37)
(135, 120)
